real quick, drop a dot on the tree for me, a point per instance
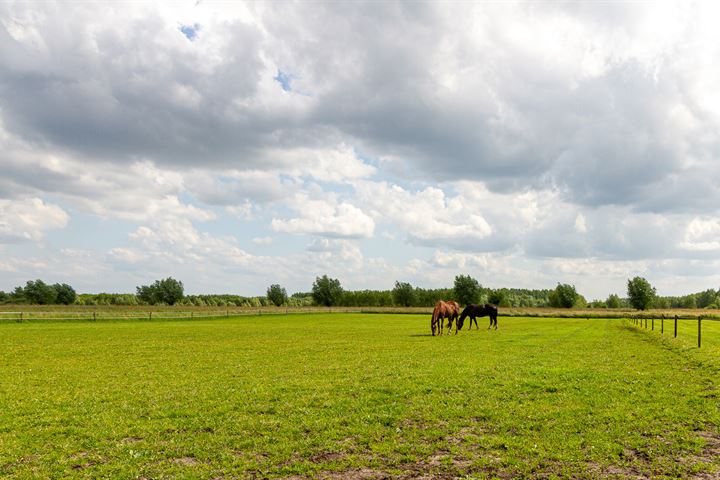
(39, 292)
(403, 294)
(327, 291)
(497, 297)
(467, 289)
(169, 291)
(640, 293)
(564, 296)
(277, 294)
(613, 301)
(689, 301)
(65, 293)
(4, 297)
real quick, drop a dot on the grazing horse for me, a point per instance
(449, 310)
(473, 311)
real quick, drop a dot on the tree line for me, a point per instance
(328, 291)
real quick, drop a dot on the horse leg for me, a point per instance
(495, 321)
(473, 319)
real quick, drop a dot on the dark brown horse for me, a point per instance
(442, 310)
(473, 311)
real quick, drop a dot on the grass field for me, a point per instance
(357, 396)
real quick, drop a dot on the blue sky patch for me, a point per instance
(284, 80)
(190, 31)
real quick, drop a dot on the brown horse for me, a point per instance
(449, 310)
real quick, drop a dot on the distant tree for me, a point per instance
(277, 295)
(564, 296)
(169, 291)
(497, 297)
(39, 292)
(4, 297)
(689, 301)
(580, 302)
(613, 301)
(467, 289)
(661, 302)
(18, 295)
(640, 293)
(65, 293)
(403, 294)
(327, 291)
(706, 298)
(597, 304)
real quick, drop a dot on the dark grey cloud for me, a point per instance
(452, 93)
(131, 90)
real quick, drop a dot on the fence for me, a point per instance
(173, 314)
(642, 322)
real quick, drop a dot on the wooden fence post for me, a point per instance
(94, 316)
(21, 317)
(662, 323)
(653, 323)
(699, 329)
(150, 315)
(675, 326)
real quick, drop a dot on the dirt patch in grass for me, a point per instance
(188, 461)
(324, 457)
(710, 454)
(130, 440)
(617, 471)
(357, 474)
(19, 462)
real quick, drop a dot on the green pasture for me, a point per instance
(357, 396)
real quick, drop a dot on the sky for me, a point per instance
(237, 145)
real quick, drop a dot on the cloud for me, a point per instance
(327, 217)
(429, 216)
(29, 219)
(262, 241)
(702, 234)
(607, 112)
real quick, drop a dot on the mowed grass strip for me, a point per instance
(338, 395)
